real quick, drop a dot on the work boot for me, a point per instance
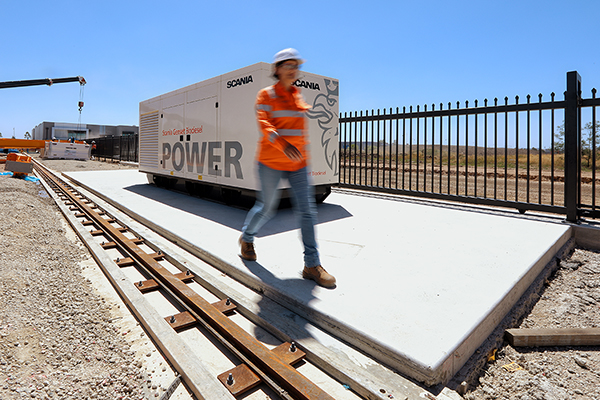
(319, 275)
(247, 250)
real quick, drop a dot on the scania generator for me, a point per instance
(205, 136)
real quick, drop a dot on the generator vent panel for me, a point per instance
(149, 139)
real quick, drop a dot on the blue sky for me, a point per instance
(385, 53)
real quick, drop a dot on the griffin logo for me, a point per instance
(323, 111)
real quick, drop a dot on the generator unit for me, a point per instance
(67, 151)
(205, 135)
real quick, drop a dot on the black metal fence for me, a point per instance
(119, 148)
(538, 155)
(530, 156)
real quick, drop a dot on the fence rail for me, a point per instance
(510, 155)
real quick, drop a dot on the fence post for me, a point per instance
(572, 145)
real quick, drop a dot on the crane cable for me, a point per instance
(80, 104)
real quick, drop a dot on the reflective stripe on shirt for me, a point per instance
(290, 132)
(264, 107)
(287, 113)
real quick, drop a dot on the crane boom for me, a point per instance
(46, 81)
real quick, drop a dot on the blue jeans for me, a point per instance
(303, 200)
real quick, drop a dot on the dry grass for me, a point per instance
(471, 156)
(513, 177)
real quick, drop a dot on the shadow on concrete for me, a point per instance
(272, 286)
(233, 217)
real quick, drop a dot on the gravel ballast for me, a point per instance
(62, 336)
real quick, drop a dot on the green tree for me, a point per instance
(27, 135)
(590, 142)
(589, 132)
(559, 139)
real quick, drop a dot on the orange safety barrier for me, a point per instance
(18, 164)
(24, 158)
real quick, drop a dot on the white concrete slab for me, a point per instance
(419, 287)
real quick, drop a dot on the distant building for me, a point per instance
(65, 131)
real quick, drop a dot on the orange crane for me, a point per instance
(45, 81)
(20, 164)
(35, 144)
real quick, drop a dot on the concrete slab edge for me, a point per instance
(201, 382)
(469, 375)
(482, 330)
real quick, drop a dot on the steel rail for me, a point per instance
(262, 360)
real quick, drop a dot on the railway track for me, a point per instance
(256, 365)
(208, 326)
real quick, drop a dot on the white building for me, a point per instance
(65, 131)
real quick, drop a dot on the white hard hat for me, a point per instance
(288, 54)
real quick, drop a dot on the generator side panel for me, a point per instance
(188, 136)
(196, 154)
(239, 130)
(239, 126)
(178, 132)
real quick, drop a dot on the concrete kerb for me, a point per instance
(488, 324)
(470, 372)
(587, 236)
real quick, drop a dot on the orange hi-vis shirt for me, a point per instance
(281, 116)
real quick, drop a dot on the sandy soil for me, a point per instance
(61, 335)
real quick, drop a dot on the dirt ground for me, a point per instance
(570, 299)
(59, 339)
(502, 185)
